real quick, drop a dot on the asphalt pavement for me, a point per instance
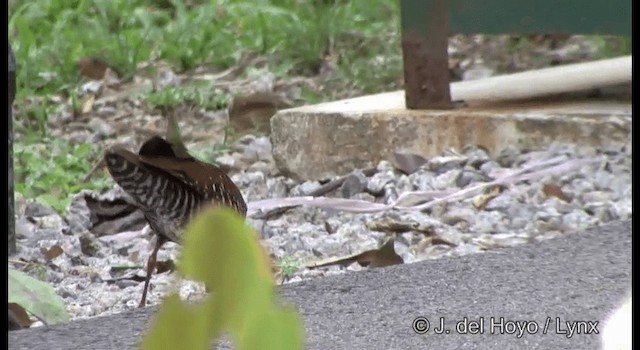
(527, 297)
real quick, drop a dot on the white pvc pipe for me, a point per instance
(547, 81)
(524, 85)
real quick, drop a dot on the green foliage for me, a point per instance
(172, 97)
(50, 172)
(610, 46)
(70, 30)
(294, 35)
(37, 297)
(220, 250)
(33, 119)
(209, 155)
(288, 266)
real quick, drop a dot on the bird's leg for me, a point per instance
(151, 265)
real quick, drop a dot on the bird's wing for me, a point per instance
(208, 180)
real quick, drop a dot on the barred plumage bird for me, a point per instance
(170, 187)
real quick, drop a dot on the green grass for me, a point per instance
(291, 33)
(51, 172)
(49, 37)
(203, 97)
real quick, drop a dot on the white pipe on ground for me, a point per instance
(547, 81)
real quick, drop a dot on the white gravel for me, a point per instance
(101, 284)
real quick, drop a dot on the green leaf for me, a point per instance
(120, 268)
(50, 200)
(178, 326)
(222, 251)
(83, 150)
(37, 297)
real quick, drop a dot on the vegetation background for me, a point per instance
(312, 50)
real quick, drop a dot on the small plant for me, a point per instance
(288, 266)
(209, 155)
(222, 251)
(50, 172)
(37, 269)
(172, 97)
(33, 119)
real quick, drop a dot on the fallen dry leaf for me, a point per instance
(87, 104)
(253, 112)
(528, 172)
(433, 240)
(408, 163)
(53, 252)
(330, 229)
(384, 256)
(165, 265)
(18, 317)
(392, 225)
(552, 190)
(481, 201)
(92, 68)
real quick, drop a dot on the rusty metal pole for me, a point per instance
(11, 230)
(425, 34)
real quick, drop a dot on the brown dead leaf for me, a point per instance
(391, 225)
(53, 252)
(439, 240)
(481, 201)
(553, 190)
(92, 68)
(253, 112)
(408, 163)
(87, 104)
(330, 229)
(18, 317)
(384, 256)
(165, 265)
(433, 240)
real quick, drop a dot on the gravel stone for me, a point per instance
(353, 184)
(378, 181)
(84, 277)
(35, 209)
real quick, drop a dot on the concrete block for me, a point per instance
(330, 139)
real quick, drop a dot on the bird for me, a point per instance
(170, 187)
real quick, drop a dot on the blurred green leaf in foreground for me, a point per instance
(220, 250)
(36, 297)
